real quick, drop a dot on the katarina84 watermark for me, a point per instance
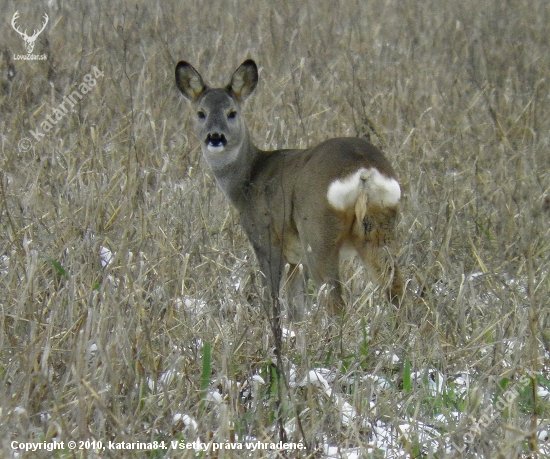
(69, 102)
(492, 413)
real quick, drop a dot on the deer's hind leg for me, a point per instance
(322, 251)
(294, 288)
(381, 265)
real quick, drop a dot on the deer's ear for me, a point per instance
(244, 80)
(189, 81)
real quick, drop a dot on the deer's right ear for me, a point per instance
(189, 81)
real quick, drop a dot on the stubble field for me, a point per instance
(130, 303)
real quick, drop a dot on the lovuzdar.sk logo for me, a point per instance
(29, 40)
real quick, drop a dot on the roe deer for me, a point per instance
(318, 206)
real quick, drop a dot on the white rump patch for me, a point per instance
(381, 190)
(342, 193)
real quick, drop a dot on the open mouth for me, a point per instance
(215, 142)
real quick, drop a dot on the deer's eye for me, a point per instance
(232, 115)
(201, 115)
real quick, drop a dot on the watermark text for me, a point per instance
(69, 102)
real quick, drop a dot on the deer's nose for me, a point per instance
(215, 139)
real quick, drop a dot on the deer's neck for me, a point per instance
(233, 176)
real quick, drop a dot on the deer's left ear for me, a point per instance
(244, 80)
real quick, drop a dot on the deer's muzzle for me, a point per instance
(215, 142)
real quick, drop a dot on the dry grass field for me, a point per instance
(130, 304)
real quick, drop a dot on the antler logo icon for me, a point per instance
(29, 41)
